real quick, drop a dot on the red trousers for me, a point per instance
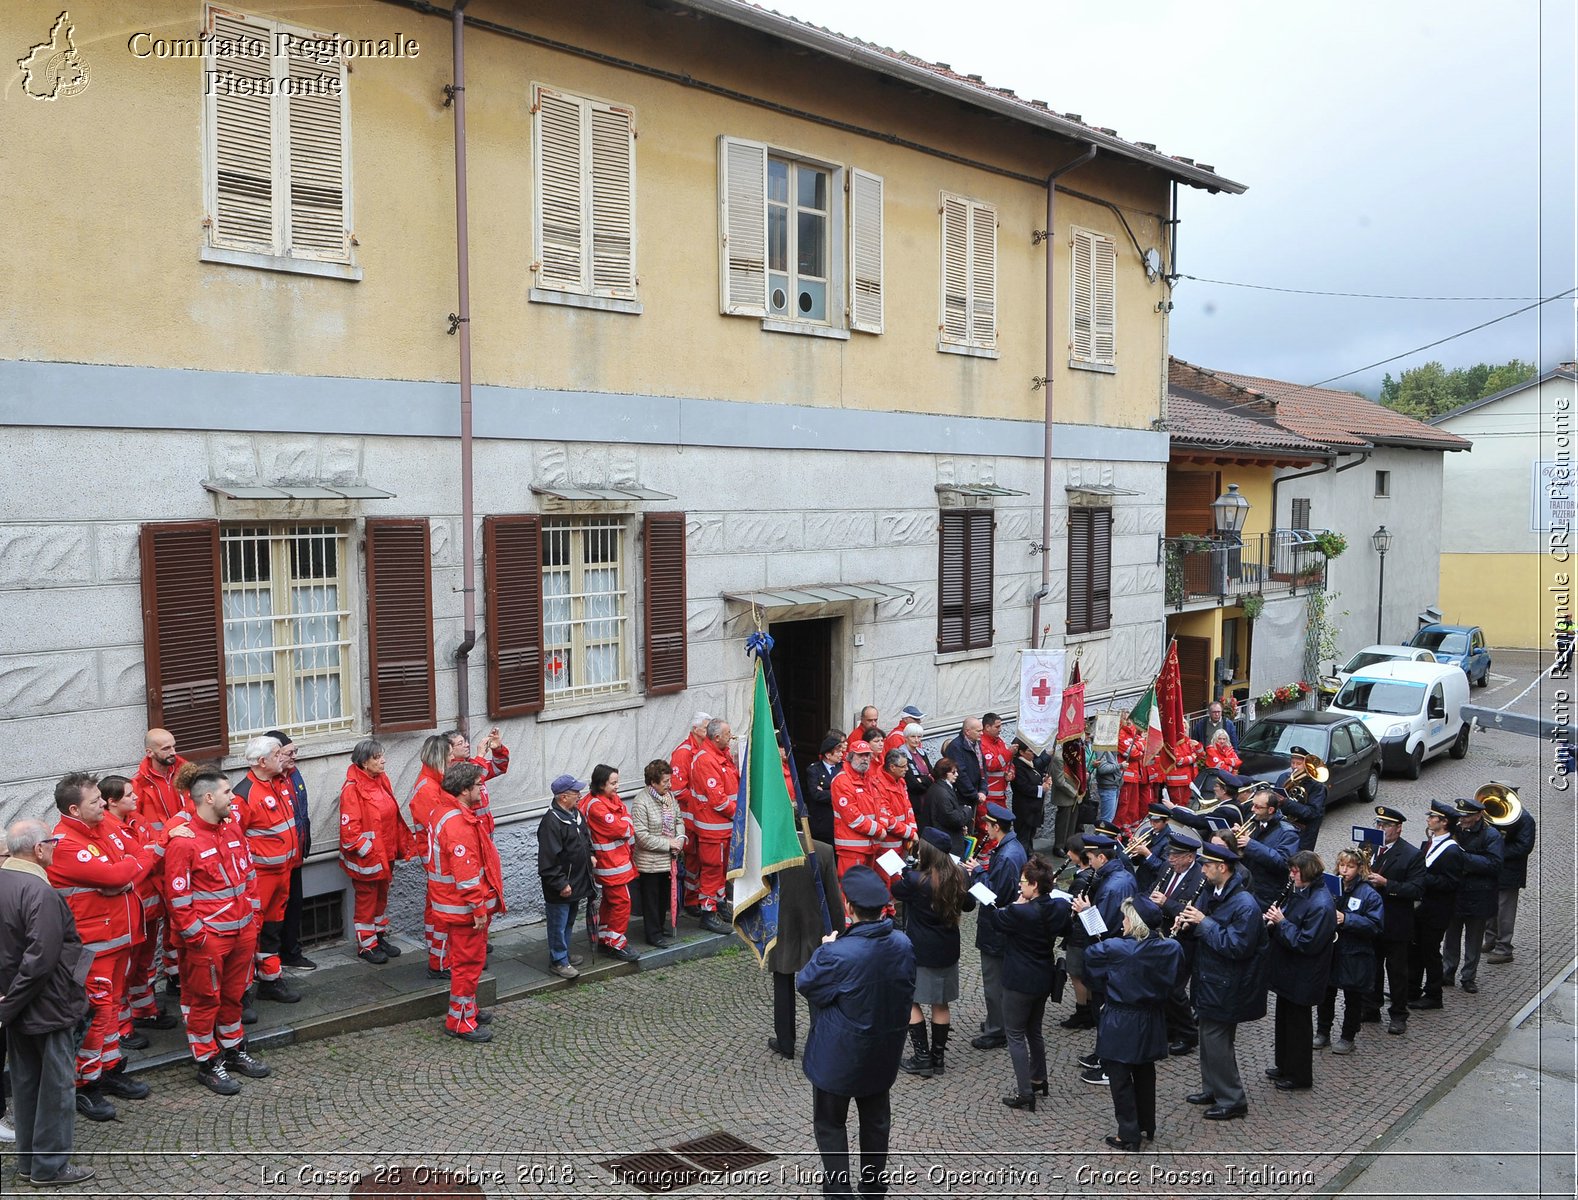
(613, 915)
(273, 895)
(468, 953)
(692, 868)
(855, 858)
(140, 972)
(1178, 793)
(214, 977)
(372, 911)
(101, 1045)
(1133, 800)
(437, 938)
(710, 874)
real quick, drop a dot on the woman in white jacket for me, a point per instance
(660, 842)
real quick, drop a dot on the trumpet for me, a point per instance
(1140, 838)
(1502, 806)
(1241, 832)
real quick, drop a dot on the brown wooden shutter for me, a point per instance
(1101, 568)
(964, 579)
(400, 624)
(183, 636)
(512, 552)
(1078, 617)
(663, 585)
(1189, 496)
(979, 580)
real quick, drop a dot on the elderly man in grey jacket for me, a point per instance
(43, 973)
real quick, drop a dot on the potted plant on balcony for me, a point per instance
(1289, 695)
(1330, 544)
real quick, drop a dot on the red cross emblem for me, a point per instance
(1042, 692)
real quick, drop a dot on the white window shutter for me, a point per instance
(245, 211)
(1081, 343)
(560, 164)
(865, 251)
(1104, 300)
(955, 270)
(317, 220)
(613, 201)
(983, 276)
(742, 222)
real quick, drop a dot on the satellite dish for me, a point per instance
(1153, 264)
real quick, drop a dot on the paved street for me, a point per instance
(652, 1059)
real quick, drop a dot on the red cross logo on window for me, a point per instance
(555, 667)
(1042, 692)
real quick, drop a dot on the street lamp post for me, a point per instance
(1381, 539)
(1228, 511)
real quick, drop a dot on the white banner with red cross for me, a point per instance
(1041, 676)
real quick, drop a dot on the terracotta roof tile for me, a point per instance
(1198, 420)
(1344, 418)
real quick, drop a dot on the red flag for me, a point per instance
(1071, 720)
(1169, 699)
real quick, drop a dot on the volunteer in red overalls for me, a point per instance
(715, 784)
(866, 728)
(897, 814)
(997, 765)
(465, 886)
(426, 801)
(1178, 770)
(264, 810)
(158, 799)
(859, 817)
(214, 909)
(613, 834)
(125, 823)
(373, 837)
(492, 759)
(909, 715)
(96, 871)
(1132, 801)
(680, 762)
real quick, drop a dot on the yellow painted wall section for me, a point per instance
(1206, 623)
(1509, 595)
(1254, 484)
(111, 273)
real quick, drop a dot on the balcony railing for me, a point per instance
(1227, 569)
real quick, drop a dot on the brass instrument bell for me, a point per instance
(1502, 806)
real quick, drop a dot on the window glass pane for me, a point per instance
(777, 238)
(584, 616)
(812, 191)
(778, 180)
(813, 245)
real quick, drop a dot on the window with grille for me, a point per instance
(585, 616)
(288, 630)
(323, 918)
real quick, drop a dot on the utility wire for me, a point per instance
(1263, 287)
(1450, 337)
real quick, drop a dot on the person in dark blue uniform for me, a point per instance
(1180, 884)
(1483, 856)
(1029, 927)
(1308, 813)
(934, 892)
(1359, 921)
(1303, 929)
(1137, 973)
(859, 986)
(818, 784)
(1111, 885)
(1268, 851)
(1397, 872)
(1228, 984)
(1150, 857)
(1443, 873)
(1000, 871)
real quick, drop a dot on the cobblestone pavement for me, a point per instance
(652, 1059)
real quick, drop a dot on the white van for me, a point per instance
(1415, 710)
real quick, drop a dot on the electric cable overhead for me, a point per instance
(1265, 287)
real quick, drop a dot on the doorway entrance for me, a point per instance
(803, 665)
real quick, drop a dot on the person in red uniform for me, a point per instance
(867, 729)
(158, 799)
(465, 885)
(1179, 769)
(613, 834)
(264, 811)
(373, 837)
(859, 818)
(898, 815)
(997, 765)
(426, 799)
(1132, 800)
(715, 784)
(910, 714)
(215, 911)
(492, 758)
(680, 760)
(96, 872)
(122, 820)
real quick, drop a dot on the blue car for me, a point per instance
(1460, 645)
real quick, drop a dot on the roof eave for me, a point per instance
(813, 38)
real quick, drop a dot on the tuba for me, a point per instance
(1502, 806)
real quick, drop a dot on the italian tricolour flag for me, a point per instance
(1147, 715)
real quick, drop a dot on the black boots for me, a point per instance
(939, 1047)
(918, 1063)
(213, 1076)
(1080, 1018)
(278, 991)
(238, 1060)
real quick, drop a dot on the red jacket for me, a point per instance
(859, 817)
(613, 833)
(134, 835)
(899, 816)
(373, 832)
(1180, 769)
(427, 801)
(680, 762)
(997, 767)
(1131, 749)
(715, 784)
(157, 799)
(1223, 760)
(859, 734)
(88, 860)
(464, 876)
(210, 880)
(264, 810)
(491, 769)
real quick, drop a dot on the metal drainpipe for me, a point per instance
(1276, 484)
(1051, 341)
(463, 328)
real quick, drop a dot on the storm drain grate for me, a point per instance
(654, 1171)
(723, 1152)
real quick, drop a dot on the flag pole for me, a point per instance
(759, 645)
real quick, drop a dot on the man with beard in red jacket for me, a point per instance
(465, 884)
(158, 799)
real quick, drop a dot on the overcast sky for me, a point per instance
(1389, 147)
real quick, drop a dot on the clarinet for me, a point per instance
(1172, 930)
(1283, 898)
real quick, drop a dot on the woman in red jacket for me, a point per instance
(613, 834)
(373, 837)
